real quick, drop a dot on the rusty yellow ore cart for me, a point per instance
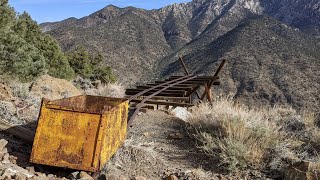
(81, 132)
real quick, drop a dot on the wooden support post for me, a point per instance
(209, 95)
(205, 92)
(208, 86)
(186, 71)
(19, 131)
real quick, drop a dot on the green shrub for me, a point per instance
(26, 52)
(89, 65)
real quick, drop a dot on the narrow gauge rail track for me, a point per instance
(174, 91)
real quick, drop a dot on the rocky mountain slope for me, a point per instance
(141, 43)
(268, 62)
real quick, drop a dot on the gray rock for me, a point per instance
(85, 176)
(8, 112)
(20, 176)
(5, 159)
(74, 175)
(140, 178)
(3, 143)
(9, 173)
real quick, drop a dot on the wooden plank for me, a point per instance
(176, 86)
(220, 67)
(187, 73)
(164, 103)
(19, 131)
(193, 90)
(184, 66)
(188, 88)
(186, 83)
(197, 78)
(160, 94)
(165, 98)
(207, 93)
(216, 83)
(155, 90)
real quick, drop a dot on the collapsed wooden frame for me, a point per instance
(176, 90)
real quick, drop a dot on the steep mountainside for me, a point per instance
(268, 63)
(139, 42)
(129, 38)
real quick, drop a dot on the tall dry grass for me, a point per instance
(240, 137)
(109, 90)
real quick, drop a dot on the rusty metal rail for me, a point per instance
(166, 86)
(174, 91)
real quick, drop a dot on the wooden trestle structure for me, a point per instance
(174, 91)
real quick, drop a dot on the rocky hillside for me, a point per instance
(268, 62)
(278, 38)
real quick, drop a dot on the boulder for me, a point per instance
(181, 113)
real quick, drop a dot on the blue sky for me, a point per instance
(56, 10)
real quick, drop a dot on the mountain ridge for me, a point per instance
(141, 45)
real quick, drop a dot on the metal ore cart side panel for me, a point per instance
(66, 139)
(115, 132)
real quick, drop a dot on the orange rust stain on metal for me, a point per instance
(81, 132)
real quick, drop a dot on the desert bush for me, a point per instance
(20, 90)
(240, 137)
(234, 134)
(109, 90)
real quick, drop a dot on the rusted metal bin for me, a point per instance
(81, 132)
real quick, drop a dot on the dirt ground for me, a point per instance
(156, 147)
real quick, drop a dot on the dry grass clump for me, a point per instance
(109, 90)
(237, 136)
(240, 137)
(26, 104)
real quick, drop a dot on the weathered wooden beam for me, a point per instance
(176, 86)
(197, 78)
(19, 131)
(164, 103)
(171, 88)
(165, 98)
(220, 67)
(155, 90)
(193, 90)
(216, 83)
(187, 83)
(160, 94)
(187, 73)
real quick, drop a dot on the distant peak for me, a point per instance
(111, 6)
